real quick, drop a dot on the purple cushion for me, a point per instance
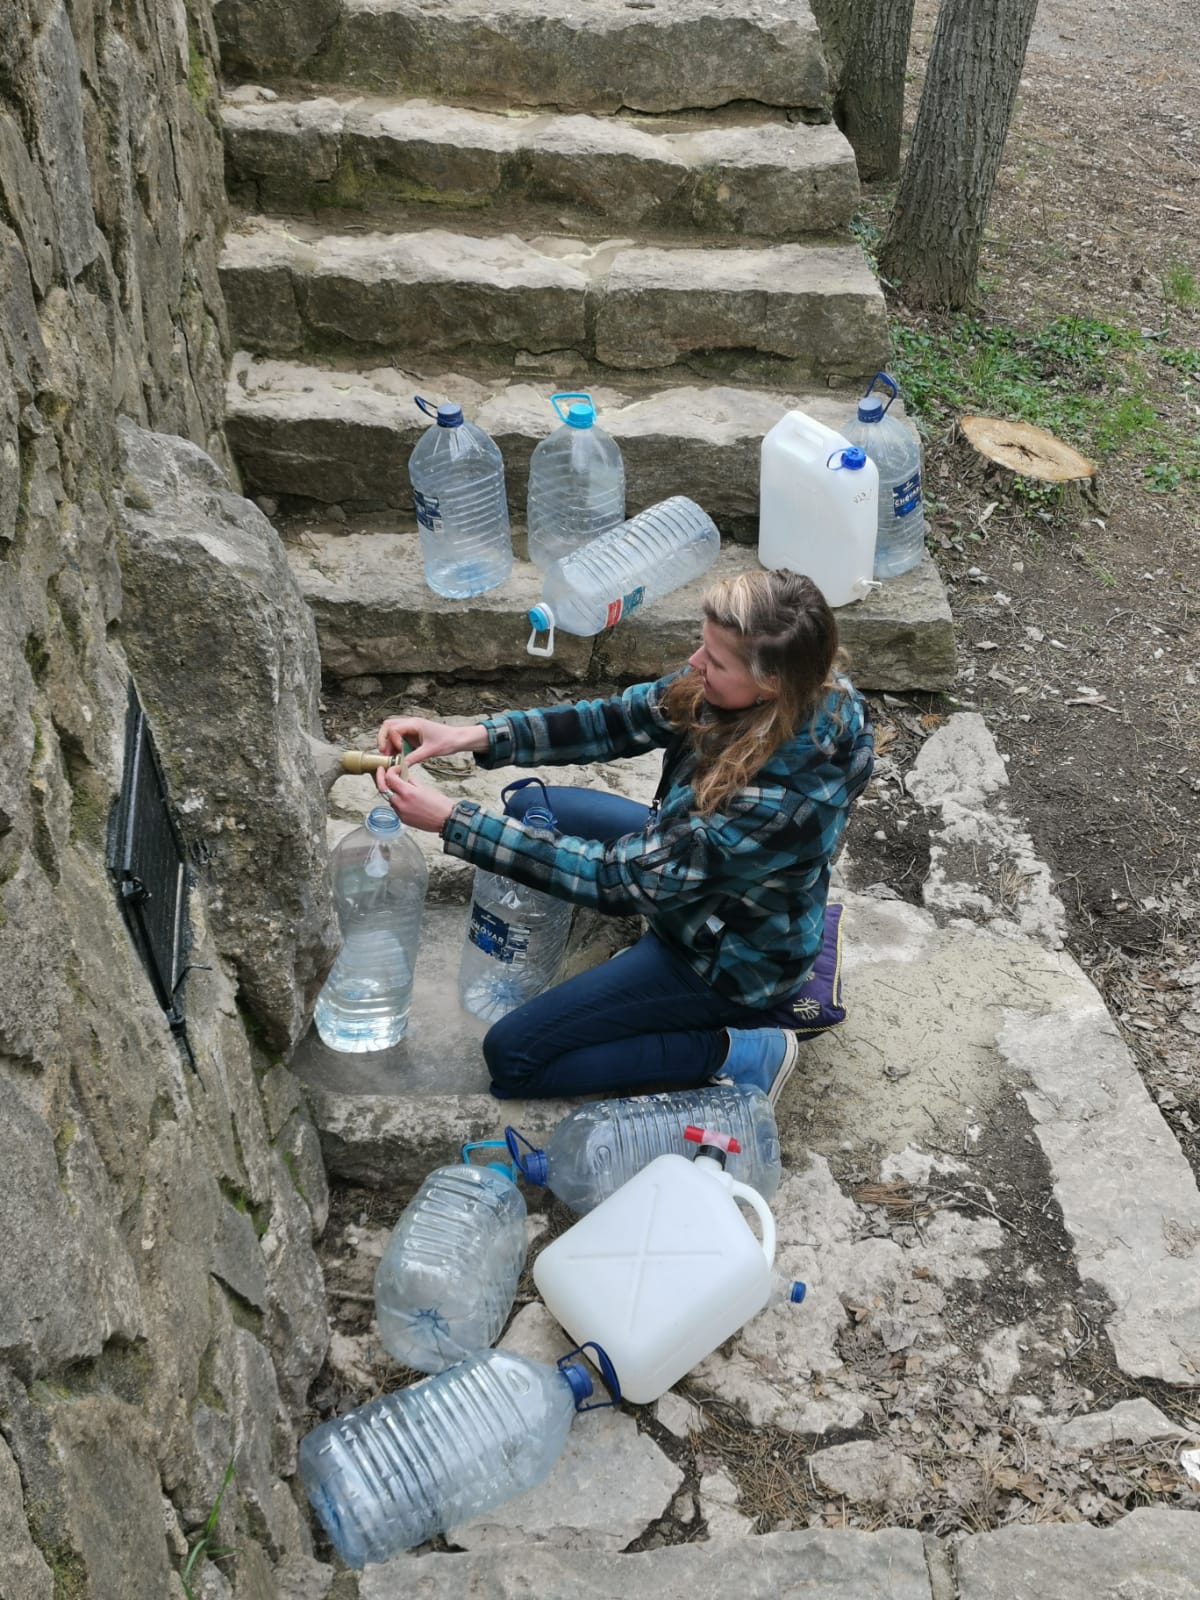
(817, 1005)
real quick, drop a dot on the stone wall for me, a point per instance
(161, 1308)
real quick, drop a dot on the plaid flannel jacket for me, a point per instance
(739, 894)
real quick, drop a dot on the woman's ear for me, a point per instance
(768, 691)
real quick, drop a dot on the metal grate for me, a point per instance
(147, 860)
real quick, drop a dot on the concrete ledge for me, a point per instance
(772, 179)
(375, 615)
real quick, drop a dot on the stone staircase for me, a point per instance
(645, 201)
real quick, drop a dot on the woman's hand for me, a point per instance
(428, 738)
(418, 805)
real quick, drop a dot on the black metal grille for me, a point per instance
(146, 857)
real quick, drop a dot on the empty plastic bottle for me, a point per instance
(445, 1284)
(896, 452)
(379, 883)
(457, 479)
(638, 561)
(601, 1145)
(576, 483)
(515, 937)
(408, 1465)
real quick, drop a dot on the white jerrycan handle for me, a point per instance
(743, 1191)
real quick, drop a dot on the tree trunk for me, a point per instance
(931, 248)
(866, 42)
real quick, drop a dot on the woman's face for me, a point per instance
(727, 681)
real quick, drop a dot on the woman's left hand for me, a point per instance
(418, 805)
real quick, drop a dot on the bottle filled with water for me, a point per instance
(445, 1284)
(379, 883)
(631, 565)
(394, 1472)
(896, 452)
(601, 1145)
(457, 479)
(576, 483)
(515, 937)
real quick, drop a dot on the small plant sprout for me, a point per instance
(203, 1550)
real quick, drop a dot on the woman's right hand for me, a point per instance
(428, 738)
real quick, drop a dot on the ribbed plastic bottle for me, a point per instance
(406, 1466)
(576, 483)
(379, 883)
(601, 1145)
(449, 1271)
(515, 936)
(896, 452)
(457, 478)
(631, 565)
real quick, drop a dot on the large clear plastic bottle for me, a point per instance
(406, 1466)
(379, 883)
(457, 478)
(896, 452)
(445, 1284)
(601, 1145)
(576, 483)
(515, 937)
(631, 565)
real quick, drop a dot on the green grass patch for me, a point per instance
(1179, 285)
(1088, 381)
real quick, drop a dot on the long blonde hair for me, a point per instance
(787, 637)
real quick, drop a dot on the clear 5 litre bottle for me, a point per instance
(404, 1467)
(576, 483)
(379, 883)
(446, 1281)
(457, 479)
(896, 452)
(601, 1145)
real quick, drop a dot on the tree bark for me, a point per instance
(931, 247)
(866, 42)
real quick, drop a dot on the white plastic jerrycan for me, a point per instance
(818, 507)
(664, 1270)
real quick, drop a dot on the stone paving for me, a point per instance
(977, 1187)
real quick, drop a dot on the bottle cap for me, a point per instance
(797, 1292)
(449, 416)
(382, 819)
(576, 1376)
(870, 408)
(530, 1162)
(854, 458)
(538, 619)
(580, 415)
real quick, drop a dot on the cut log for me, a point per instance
(1024, 449)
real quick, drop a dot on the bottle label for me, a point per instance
(906, 496)
(429, 511)
(622, 607)
(503, 941)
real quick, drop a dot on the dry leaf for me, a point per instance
(931, 720)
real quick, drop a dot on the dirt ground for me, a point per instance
(1079, 627)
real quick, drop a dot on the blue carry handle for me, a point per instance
(606, 1369)
(888, 383)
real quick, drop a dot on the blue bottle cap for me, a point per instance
(530, 1162)
(854, 458)
(580, 415)
(870, 408)
(797, 1292)
(449, 416)
(538, 619)
(576, 1376)
(382, 819)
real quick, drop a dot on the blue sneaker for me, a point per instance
(760, 1058)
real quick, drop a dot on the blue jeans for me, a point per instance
(642, 1021)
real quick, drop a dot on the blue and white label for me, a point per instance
(429, 511)
(906, 495)
(503, 941)
(622, 607)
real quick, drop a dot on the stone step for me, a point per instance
(343, 436)
(773, 179)
(605, 56)
(782, 313)
(376, 618)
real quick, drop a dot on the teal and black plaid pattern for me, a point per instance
(739, 894)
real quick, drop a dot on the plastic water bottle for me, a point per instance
(379, 883)
(406, 1466)
(637, 562)
(896, 452)
(817, 509)
(457, 479)
(601, 1145)
(576, 483)
(445, 1284)
(515, 937)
